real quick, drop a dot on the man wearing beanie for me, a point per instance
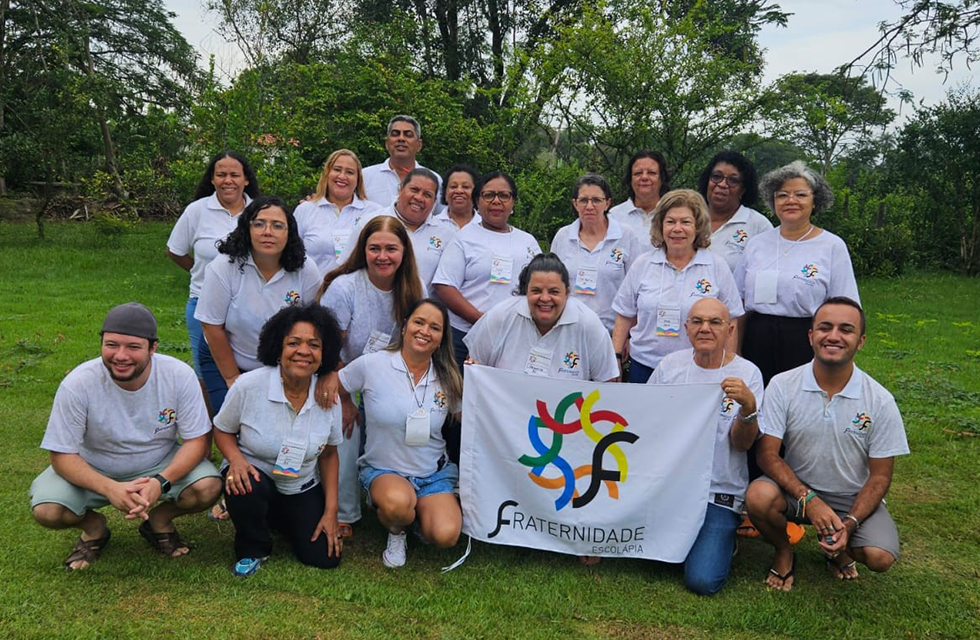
(113, 437)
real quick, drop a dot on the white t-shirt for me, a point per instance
(655, 293)
(198, 230)
(120, 432)
(729, 471)
(242, 301)
(364, 311)
(429, 241)
(578, 347)
(257, 411)
(828, 443)
(630, 216)
(390, 396)
(596, 275)
(444, 215)
(807, 273)
(327, 232)
(731, 238)
(484, 266)
(381, 183)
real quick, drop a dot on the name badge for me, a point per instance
(501, 269)
(538, 362)
(377, 341)
(417, 428)
(765, 286)
(290, 458)
(586, 278)
(340, 238)
(668, 321)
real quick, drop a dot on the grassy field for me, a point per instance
(923, 344)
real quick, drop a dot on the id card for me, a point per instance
(290, 458)
(340, 238)
(501, 269)
(538, 362)
(765, 286)
(377, 341)
(586, 278)
(417, 428)
(668, 321)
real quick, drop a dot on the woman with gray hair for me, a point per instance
(786, 273)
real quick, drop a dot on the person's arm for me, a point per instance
(240, 471)
(184, 262)
(124, 496)
(220, 346)
(767, 455)
(188, 455)
(329, 464)
(459, 305)
(621, 332)
(743, 432)
(868, 499)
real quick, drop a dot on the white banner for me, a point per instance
(591, 469)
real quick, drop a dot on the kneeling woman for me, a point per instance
(409, 389)
(280, 447)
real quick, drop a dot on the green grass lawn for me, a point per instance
(923, 345)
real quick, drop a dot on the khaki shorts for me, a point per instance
(877, 530)
(50, 487)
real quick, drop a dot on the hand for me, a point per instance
(470, 360)
(824, 520)
(328, 527)
(149, 491)
(327, 386)
(238, 481)
(839, 542)
(736, 389)
(125, 496)
(349, 416)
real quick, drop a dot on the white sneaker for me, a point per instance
(394, 554)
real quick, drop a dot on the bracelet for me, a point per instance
(804, 498)
(857, 523)
(619, 356)
(749, 418)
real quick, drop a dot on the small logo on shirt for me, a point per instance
(703, 286)
(616, 255)
(727, 404)
(439, 400)
(435, 242)
(292, 298)
(531, 252)
(740, 236)
(571, 359)
(166, 418)
(319, 450)
(861, 421)
(809, 270)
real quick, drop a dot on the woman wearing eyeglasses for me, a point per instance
(786, 273)
(728, 184)
(596, 250)
(481, 265)
(266, 270)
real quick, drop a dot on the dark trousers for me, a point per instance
(639, 373)
(295, 516)
(459, 347)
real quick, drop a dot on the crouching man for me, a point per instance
(113, 437)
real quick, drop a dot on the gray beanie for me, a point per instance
(131, 319)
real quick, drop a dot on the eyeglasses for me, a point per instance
(503, 196)
(584, 202)
(714, 323)
(783, 196)
(276, 225)
(733, 181)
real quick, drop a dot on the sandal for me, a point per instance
(87, 550)
(747, 529)
(166, 542)
(842, 571)
(344, 530)
(219, 512)
(783, 577)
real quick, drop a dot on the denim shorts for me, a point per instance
(444, 480)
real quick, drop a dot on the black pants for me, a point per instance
(255, 514)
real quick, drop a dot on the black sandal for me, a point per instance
(166, 542)
(87, 550)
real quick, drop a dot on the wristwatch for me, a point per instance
(164, 483)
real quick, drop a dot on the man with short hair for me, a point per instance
(710, 328)
(113, 435)
(842, 431)
(403, 142)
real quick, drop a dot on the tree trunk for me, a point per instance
(496, 42)
(4, 5)
(110, 153)
(448, 19)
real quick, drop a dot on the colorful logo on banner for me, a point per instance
(740, 236)
(586, 425)
(809, 270)
(292, 298)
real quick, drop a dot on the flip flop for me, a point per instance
(747, 529)
(166, 542)
(219, 511)
(344, 530)
(783, 577)
(87, 550)
(839, 569)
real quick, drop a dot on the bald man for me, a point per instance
(710, 328)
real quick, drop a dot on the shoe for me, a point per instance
(394, 554)
(247, 566)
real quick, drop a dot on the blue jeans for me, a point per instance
(204, 364)
(444, 480)
(194, 332)
(710, 559)
(639, 372)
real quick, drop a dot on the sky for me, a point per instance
(820, 36)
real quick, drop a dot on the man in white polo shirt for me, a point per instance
(403, 142)
(841, 431)
(113, 437)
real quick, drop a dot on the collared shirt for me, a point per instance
(198, 230)
(731, 238)
(611, 259)
(242, 300)
(444, 215)
(467, 265)
(381, 183)
(257, 411)
(121, 432)
(809, 272)
(653, 285)
(579, 346)
(632, 217)
(361, 309)
(327, 231)
(829, 441)
(729, 471)
(390, 396)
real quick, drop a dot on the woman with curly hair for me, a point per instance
(266, 270)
